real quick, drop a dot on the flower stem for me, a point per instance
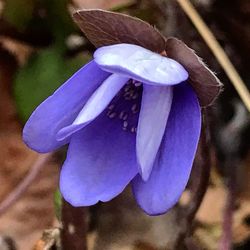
(73, 236)
(198, 187)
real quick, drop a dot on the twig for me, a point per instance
(25, 183)
(217, 50)
(73, 236)
(226, 238)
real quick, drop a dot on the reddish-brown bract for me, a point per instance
(206, 85)
(105, 28)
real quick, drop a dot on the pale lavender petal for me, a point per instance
(155, 108)
(101, 161)
(98, 101)
(60, 109)
(173, 164)
(140, 64)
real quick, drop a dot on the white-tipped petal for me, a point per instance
(140, 64)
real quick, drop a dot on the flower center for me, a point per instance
(126, 105)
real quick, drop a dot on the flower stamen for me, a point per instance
(126, 106)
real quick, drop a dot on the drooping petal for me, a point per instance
(101, 161)
(60, 109)
(172, 167)
(95, 105)
(140, 64)
(155, 107)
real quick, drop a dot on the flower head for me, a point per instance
(130, 115)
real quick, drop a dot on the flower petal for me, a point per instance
(101, 161)
(155, 108)
(140, 64)
(60, 109)
(172, 167)
(95, 105)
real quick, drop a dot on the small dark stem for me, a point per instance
(202, 166)
(226, 239)
(198, 187)
(22, 187)
(74, 227)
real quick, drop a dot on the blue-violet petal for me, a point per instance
(98, 101)
(60, 109)
(155, 107)
(101, 161)
(173, 165)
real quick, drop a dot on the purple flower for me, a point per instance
(128, 116)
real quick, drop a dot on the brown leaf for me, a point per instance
(202, 79)
(106, 28)
(34, 211)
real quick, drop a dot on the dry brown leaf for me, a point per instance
(34, 212)
(210, 215)
(212, 206)
(241, 231)
(50, 239)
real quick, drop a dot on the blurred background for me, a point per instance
(40, 47)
